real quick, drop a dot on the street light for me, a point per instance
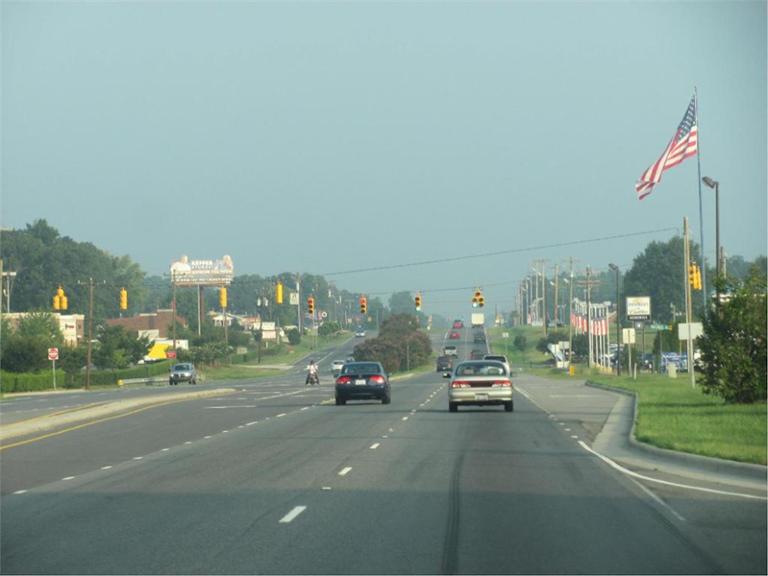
(716, 186)
(618, 315)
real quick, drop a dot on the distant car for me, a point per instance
(360, 334)
(499, 358)
(450, 351)
(184, 372)
(444, 363)
(454, 336)
(362, 381)
(480, 383)
(336, 367)
(476, 354)
(458, 324)
(478, 337)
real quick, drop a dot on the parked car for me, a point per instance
(444, 363)
(336, 367)
(499, 358)
(480, 383)
(184, 372)
(362, 381)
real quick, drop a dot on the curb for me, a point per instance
(705, 463)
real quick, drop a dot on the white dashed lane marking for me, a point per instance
(291, 516)
(374, 446)
(345, 471)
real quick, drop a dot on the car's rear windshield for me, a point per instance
(180, 367)
(361, 368)
(498, 358)
(481, 369)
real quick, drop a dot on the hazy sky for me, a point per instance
(322, 137)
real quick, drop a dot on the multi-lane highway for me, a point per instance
(274, 478)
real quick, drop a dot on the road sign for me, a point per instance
(697, 329)
(323, 314)
(505, 334)
(53, 353)
(170, 353)
(628, 335)
(293, 298)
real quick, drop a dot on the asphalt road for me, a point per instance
(276, 479)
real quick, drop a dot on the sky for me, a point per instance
(323, 137)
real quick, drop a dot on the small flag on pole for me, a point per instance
(682, 145)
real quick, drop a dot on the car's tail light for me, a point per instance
(376, 379)
(344, 380)
(502, 384)
(460, 384)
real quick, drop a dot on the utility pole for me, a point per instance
(688, 305)
(557, 271)
(298, 306)
(570, 313)
(90, 335)
(588, 287)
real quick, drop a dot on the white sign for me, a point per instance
(697, 329)
(186, 272)
(53, 353)
(638, 307)
(628, 335)
(293, 299)
(505, 334)
(323, 314)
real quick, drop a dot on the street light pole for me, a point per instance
(718, 263)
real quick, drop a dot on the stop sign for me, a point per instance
(53, 353)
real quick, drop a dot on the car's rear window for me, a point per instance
(361, 368)
(480, 370)
(182, 367)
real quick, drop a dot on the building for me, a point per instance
(158, 323)
(72, 326)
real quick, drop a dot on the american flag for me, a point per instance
(682, 145)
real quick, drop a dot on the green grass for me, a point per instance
(673, 415)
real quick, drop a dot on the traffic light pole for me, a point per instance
(688, 305)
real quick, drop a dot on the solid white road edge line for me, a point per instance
(291, 516)
(666, 482)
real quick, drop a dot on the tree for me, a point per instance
(659, 273)
(118, 349)
(733, 346)
(521, 342)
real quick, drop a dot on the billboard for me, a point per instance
(186, 272)
(638, 307)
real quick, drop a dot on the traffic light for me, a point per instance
(60, 299)
(417, 301)
(123, 299)
(692, 275)
(477, 299)
(698, 278)
(279, 293)
(311, 305)
(363, 305)
(481, 301)
(223, 297)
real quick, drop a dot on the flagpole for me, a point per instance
(701, 211)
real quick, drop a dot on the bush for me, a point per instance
(521, 342)
(294, 336)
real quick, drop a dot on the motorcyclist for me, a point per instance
(312, 374)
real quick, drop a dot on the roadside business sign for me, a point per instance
(186, 272)
(638, 307)
(170, 354)
(53, 353)
(697, 329)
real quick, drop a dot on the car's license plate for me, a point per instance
(481, 396)
(360, 382)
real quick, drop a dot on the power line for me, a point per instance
(500, 252)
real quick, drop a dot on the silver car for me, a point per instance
(336, 367)
(480, 383)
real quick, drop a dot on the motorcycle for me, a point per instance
(312, 379)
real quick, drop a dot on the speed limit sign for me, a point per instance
(53, 353)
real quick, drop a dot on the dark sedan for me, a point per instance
(362, 381)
